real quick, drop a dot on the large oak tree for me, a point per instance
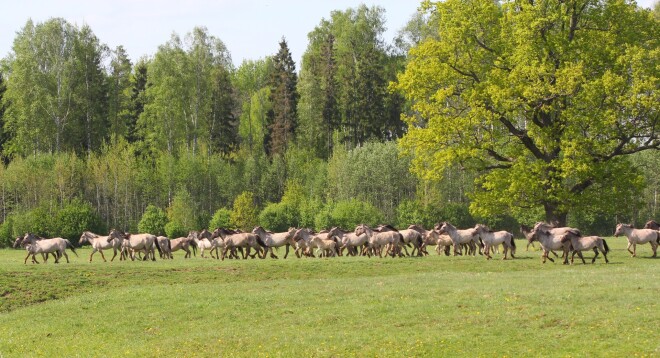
(545, 98)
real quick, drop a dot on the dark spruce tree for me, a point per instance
(223, 124)
(3, 137)
(139, 86)
(283, 117)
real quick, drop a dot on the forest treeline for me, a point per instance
(91, 139)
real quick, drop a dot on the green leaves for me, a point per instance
(541, 96)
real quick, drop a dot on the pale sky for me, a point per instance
(251, 29)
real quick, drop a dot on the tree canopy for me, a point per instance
(544, 98)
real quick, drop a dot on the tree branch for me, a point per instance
(525, 139)
(466, 74)
(582, 186)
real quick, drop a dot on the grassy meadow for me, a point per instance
(341, 307)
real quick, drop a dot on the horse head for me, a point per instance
(116, 234)
(258, 230)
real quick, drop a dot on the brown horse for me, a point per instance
(38, 246)
(582, 243)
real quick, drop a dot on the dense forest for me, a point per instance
(91, 139)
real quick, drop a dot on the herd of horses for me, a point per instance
(385, 240)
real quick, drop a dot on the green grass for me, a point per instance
(431, 306)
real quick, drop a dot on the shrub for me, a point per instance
(279, 217)
(153, 221)
(348, 214)
(244, 213)
(221, 218)
(39, 221)
(6, 233)
(174, 229)
(76, 217)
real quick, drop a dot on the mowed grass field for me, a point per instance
(431, 306)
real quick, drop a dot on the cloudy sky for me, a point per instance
(251, 29)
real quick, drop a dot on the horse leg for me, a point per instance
(628, 248)
(548, 257)
(595, 255)
(604, 255)
(487, 252)
(634, 249)
(404, 248)
(103, 256)
(579, 253)
(286, 253)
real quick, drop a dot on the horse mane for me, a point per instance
(387, 226)
(652, 224)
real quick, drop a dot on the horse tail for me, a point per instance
(420, 241)
(607, 248)
(70, 246)
(160, 251)
(513, 243)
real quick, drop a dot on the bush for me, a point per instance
(174, 229)
(76, 217)
(153, 221)
(38, 221)
(7, 233)
(244, 213)
(348, 214)
(221, 218)
(457, 214)
(279, 217)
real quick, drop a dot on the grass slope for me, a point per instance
(432, 306)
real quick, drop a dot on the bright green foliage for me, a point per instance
(279, 217)
(545, 97)
(92, 89)
(174, 229)
(348, 214)
(288, 212)
(7, 233)
(374, 172)
(182, 214)
(244, 212)
(153, 221)
(413, 212)
(120, 91)
(3, 136)
(251, 84)
(344, 75)
(74, 218)
(39, 220)
(221, 218)
(184, 99)
(57, 89)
